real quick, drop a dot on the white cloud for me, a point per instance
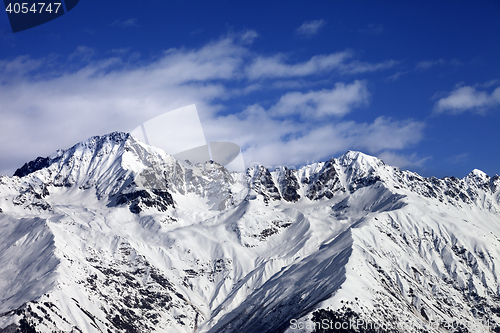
(274, 141)
(395, 76)
(458, 159)
(46, 105)
(373, 29)
(310, 28)
(276, 67)
(82, 52)
(120, 51)
(386, 133)
(468, 98)
(419, 67)
(488, 84)
(248, 36)
(132, 22)
(425, 65)
(401, 160)
(20, 65)
(43, 113)
(337, 101)
(312, 144)
(356, 67)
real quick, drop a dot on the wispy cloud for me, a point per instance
(314, 104)
(132, 22)
(277, 67)
(424, 65)
(20, 65)
(356, 67)
(89, 31)
(310, 28)
(428, 64)
(46, 104)
(120, 51)
(196, 32)
(373, 29)
(395, 76)
(402, 160)
(247, 37)
(271, 141)
(82, 52)
(487, 84)
(458, 159)
(468, 98)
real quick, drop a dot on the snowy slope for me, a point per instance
(113, 235)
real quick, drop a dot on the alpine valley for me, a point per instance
(113, 235)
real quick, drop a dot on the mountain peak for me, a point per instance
(99, 140)
(92, 143)
(359, 159)
(479, 173)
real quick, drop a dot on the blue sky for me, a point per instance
(416, 83)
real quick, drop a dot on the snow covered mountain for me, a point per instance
(113, 235)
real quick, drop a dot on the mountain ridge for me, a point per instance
(115, 235)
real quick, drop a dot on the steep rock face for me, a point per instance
(324, 183)
(32, 197)
(112, 235)
(262, 182)
(142, 199)
(288, 184)
(35, 165)
(495, 184)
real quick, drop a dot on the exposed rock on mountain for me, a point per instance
(113, 235)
